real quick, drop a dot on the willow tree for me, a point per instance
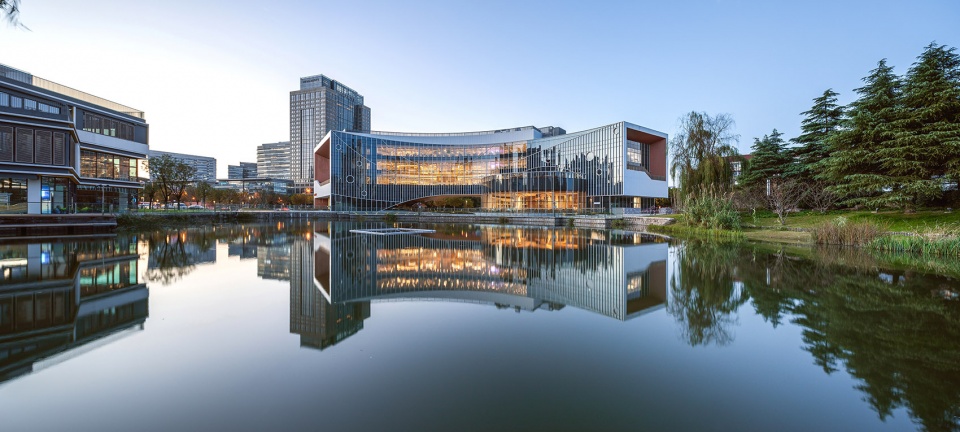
(10, 10)
(702, 152)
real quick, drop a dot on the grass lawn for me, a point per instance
(890, 220)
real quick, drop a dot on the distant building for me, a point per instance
(242, 171)
(206, 166)
(63, 150)
(257, 184)
(273, 160)
(737, 164)
(320, 106)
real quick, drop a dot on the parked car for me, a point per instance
(195, 207)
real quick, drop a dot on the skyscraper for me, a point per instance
(321, 105)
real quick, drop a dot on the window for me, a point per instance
(16, 102)
(108, 126)
(29, 104)
(50, 109)
(4, 99)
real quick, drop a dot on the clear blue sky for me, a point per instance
(213, 76)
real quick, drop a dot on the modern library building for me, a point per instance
(620, 165)
(63, 150)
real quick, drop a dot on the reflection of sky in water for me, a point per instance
(217, 352)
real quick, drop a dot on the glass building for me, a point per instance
(320, 106)
(273, 160)
(242, 171)
(620, 165)
(64, 151)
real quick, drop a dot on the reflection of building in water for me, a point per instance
(319, 323)
(58, 300)
(242, 249)
(619, 275)
(273, 254)
(273, 262)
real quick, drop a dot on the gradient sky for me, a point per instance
(214, 76)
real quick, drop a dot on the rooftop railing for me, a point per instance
(45, 84)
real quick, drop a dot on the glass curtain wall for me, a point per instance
(369, 173)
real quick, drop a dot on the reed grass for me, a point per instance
(843, 232)
(919, 244)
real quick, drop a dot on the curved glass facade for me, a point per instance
(509, 169)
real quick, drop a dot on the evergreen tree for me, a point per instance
(770, 159)
(821, 122)
(927, 146)
(853, 167)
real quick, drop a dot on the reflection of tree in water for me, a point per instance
(174, 253)
(897, 332)
(169, 259)
(704, 294)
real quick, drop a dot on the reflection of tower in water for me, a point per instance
(319, 323)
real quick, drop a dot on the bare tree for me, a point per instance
(820, 198)
(783, 196)
(749, 199)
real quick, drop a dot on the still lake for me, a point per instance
(308, 326)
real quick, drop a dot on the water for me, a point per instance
(307, 326)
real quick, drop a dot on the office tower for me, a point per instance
(206, 166)
(243, 171)
(273, 160)
(320, 106)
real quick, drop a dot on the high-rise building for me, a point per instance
(206, 166)
(320, 106)
(63, 150)
(273, 160)
(242, 171)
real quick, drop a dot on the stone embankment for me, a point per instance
(56, 225)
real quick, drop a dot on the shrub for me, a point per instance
(712, 210)
(390, 218)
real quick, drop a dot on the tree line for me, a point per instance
(173, 181)
(896, 146)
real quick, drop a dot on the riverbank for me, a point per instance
(926, 233)
(173, 219)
